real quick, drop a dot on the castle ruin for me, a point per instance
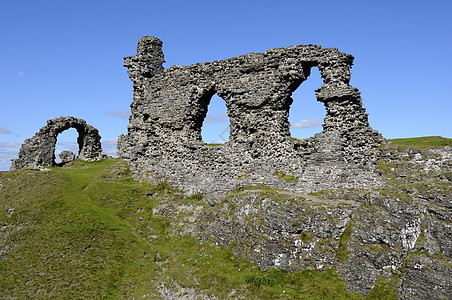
(169, 107)
(39, 150)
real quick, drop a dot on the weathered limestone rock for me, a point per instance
(66, 157)
(169, 107)
(39, 150)
(401, 233)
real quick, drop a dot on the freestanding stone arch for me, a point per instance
(39, 150)
(169, 106)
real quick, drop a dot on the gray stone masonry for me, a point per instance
(66, 157)
(169, 107)
(39, 151)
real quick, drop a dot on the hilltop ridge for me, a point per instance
(90, 230)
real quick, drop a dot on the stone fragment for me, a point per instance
(66, 157)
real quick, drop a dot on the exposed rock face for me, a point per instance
(39, 150)
(169, 107)
(66, 157)
(401, 233)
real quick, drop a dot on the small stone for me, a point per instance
(66, 157)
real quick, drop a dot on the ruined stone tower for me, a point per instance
(169, 107)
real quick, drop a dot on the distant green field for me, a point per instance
(425, 141)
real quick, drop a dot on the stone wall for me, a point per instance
(169, 107)
(39, 150)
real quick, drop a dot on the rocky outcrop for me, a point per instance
(169, 107)
(39, 150)
(399, 235)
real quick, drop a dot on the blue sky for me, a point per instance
(64, 58)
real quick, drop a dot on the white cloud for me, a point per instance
(8, 151)
(109, 146)
(5, 164)
(21, 73)
(218, 118)
(6, 156)
(5, 131)
(119, 114)
(62, 146)
(110, 142)
(311, 123)
(10, 145)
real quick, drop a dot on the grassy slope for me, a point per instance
(425, 141)
(90, 231)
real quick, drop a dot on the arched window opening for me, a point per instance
(215, 128)
(306, 114)
(66, 141)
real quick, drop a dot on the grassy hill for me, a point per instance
(90, 231)
(426, 141)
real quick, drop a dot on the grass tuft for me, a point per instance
(285, 177)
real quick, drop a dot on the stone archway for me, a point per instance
(39, 150)
(170, 105)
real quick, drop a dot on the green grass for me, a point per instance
(76, 238)
(427, 141)
(342, 251)
(285, 177)
(90, 231)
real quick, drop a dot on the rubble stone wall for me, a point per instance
(169, 107)
(39, 150)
